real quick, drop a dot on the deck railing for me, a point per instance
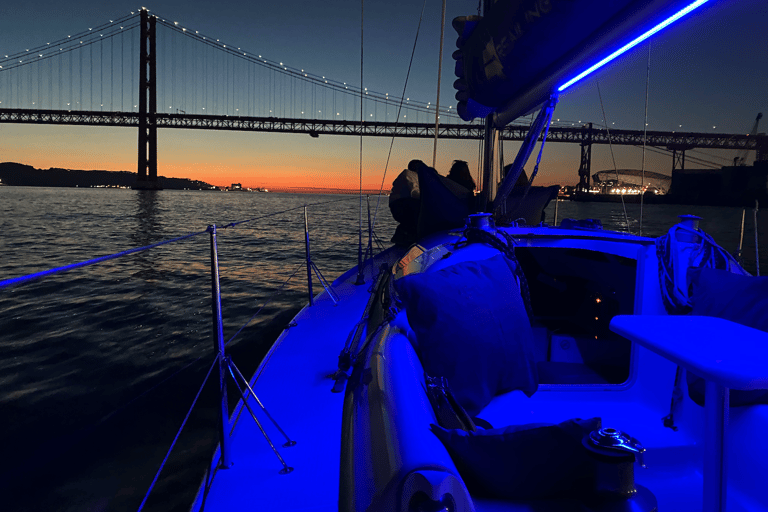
(221, 360)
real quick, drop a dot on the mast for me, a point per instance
(490, 148)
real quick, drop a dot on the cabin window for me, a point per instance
(574, 295)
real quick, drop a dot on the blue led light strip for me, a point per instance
(633, 43)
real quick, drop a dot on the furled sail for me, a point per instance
(523, 51)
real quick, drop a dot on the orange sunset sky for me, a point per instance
(280, 160)
(707, 75)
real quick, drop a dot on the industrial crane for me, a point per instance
(741, 157)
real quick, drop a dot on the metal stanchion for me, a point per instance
(757, 248)
(218, 346)
(309, 260)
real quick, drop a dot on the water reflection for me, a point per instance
(147, 232)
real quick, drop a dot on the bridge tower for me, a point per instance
(678, 155)
(585, 167)
(147, 168)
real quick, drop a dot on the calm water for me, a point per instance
(99, 365)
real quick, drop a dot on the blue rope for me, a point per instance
(66, 268)
(178, 433)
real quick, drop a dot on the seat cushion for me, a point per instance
(471, 327)
(523, 461)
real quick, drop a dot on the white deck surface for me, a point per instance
(295, 387)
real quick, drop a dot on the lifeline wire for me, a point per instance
(36, 275)
(237, 223)
(178, 433)
(274, 294)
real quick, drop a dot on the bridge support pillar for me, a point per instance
(678, 155)
(147, 163)
(762, 148)
(585, 167)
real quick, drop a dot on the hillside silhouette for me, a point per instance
(15, 174)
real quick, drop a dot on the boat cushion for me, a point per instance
(471, 327)
(523, 461)
(734, 297)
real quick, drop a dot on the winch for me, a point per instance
(615, 453)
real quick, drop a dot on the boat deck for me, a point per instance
(294, 383)
(297, 393)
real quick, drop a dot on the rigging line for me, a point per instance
(613, 157)
(645, 132)
(111, 74)
(360, 216)
(142, 394)
(80, 79)
(479, 160)
(399, 110)
(122, 71)
(178, 433)
(101, 80)
(439, 73)
(269, 300)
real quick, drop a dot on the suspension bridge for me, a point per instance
(144, 71)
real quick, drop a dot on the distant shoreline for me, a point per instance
(319, 190)
(21, 175)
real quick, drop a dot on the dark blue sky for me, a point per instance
(710, 71)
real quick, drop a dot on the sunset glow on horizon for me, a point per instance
(686, 91)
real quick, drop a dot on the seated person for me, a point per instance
(404, 203)
(460, 174)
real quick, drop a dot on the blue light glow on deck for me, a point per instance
(633, 43)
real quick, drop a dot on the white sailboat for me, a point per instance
(562, 346)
